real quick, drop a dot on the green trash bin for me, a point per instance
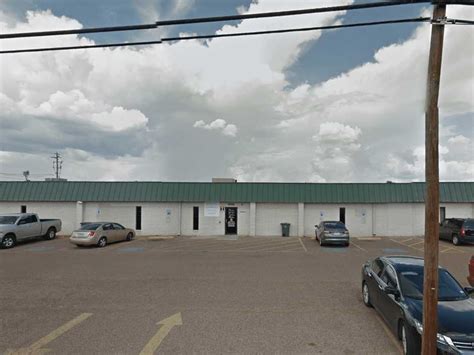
(285, 229)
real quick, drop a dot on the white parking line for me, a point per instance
(357, 246)
(302, 244)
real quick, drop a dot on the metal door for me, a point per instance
(231, 220)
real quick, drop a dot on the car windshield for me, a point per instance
(411, 284)
(8, 219)
(334, 225)
(90, 227)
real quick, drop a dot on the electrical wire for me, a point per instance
(456, 21)
(220, 35)
(217, 19)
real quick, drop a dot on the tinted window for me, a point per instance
(118, 226)
(456, 222)
(33, 218)
(411, 284)
(469, 224)
(377, 267)
(389, 277)
(89, 227)
(335, 225)
(8, 219)
(107, 227)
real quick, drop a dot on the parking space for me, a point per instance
(202, 295)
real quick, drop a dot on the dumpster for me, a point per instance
(285, 229)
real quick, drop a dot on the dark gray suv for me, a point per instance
(457, 230)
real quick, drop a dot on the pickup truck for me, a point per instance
(17, 227)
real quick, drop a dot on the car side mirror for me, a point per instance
(469, 290)
(389, 290)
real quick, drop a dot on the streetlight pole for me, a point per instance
(430, 287)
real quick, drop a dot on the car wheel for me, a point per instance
(366, 294)
(129, 236)
(321, 243)
(410, 340)
(456, 240)
(50, 234)
(8, 241)
(102, 242)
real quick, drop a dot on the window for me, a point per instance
(33, 218)
(28, 219)
(377, 267)
(195, 218)
(23, 209)
(118, 226)
(342, 214)
(138, 218)
(442, 214)
(389, 277)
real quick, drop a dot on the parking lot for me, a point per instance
(197, 295)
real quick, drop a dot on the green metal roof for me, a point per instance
(229, 192)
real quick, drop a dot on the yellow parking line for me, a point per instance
(454, 249)
(413, 244)
(37, 346)
(284, 246)
(270, 245)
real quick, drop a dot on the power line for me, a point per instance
(221, 18)
(220, 35)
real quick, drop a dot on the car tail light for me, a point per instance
(91, 234)
(463, 232)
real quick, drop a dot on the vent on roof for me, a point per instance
(217, 180)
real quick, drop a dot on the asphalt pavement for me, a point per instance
(200, 296)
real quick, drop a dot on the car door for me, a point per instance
(389, 305)
(375, 271)
(27, 227)
(109, 232)
(119, 231)
(35, 226)
(444, 230)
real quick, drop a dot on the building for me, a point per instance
(182, 208)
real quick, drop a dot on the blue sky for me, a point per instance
(336, 52)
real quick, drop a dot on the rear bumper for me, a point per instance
(335, 239)
(83, 241)
(467, 239)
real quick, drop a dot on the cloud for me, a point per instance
(218, 124)
(147, 109)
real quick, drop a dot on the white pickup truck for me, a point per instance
(21, 226)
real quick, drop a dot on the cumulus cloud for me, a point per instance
(113, 107)
(218, 124)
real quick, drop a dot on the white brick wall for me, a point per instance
(164, 218)
(65, 211)
(270, 215)
(214, 225)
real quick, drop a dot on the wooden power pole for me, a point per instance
(430, 287)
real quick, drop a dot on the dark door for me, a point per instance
(389, 304)
(342, 215)
(231, 220)
(444, 230)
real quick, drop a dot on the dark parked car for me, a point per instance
(393, 285)
(332, 232)
(470, 278)
(457, 230)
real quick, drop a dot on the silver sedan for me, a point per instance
(101, 234)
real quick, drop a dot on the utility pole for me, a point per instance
(57, 164)
(430, 287)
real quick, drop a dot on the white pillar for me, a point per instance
(79, 213)
(300, 219)
(253, 219)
